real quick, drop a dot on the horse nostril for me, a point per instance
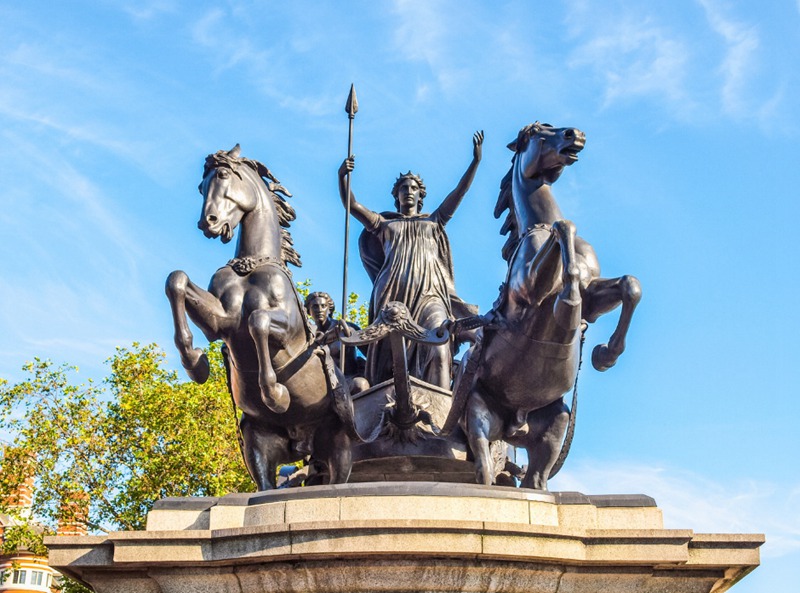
(211, 219)
(569, 133)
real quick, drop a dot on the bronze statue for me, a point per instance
(407, 256)
(511, 383)
(320, 307)
(509, 386)
(294, 401)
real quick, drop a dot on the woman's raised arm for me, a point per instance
(449, 205)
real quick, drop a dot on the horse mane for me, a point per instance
(278, 193)
(505, 201)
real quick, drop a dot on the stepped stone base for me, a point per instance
(407, 536)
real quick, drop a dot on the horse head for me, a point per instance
(234, 187)
(540, 154)
(230, 190)
(543, 151)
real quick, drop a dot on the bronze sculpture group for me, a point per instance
(509, 387)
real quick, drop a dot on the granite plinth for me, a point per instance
(407, 537)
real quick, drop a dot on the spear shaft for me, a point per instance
(351, 108)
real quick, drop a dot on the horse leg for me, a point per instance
(204, 309)
(333, 445)
(603, 295)
(482, 426)
(543, 443)
(534, 281)
(263, 452)
(274, 395)
(567, 307)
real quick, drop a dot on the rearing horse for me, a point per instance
(511, 383)
(293, 401)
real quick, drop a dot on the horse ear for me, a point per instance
(234, 152)
(512, 146)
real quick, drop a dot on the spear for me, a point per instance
(351, 108)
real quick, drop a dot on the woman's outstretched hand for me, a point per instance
(477, 145)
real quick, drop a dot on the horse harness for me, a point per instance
(244, 265)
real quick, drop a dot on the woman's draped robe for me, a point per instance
(408, 259)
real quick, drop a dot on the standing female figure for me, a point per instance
(407, 256)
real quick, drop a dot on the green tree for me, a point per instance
(138, 436)
(141, 436)
(357, 312)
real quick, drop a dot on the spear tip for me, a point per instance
(352, 102)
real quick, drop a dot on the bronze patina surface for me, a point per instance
(509, 387)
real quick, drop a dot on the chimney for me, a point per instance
(74, 515)
(19, 474)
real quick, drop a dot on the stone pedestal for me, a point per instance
(407, 536)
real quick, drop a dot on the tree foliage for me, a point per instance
(357, 312)
(140, 436)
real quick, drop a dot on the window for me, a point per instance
(20, 576)
(36, 577)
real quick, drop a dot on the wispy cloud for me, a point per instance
(633, 57)
(211, 31)
(229, 47)
(741, 42)
(142, 10)
(64, 319)
(691, 501)
(92, 134)
(76, 98)
(638, 54)
(89, 207)
(38, 61)
(422, 36)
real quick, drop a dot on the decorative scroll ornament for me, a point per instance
(395, 317)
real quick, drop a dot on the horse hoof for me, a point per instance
(602, 358)
(280, 402)
(196, 365)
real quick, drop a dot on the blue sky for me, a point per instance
(690, 108)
